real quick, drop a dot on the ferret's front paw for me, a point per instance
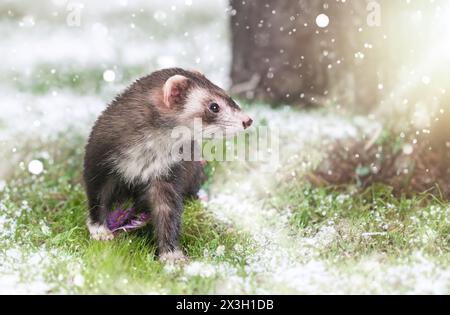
(173, 257)
(100, 232)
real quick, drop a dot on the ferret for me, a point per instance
(128, 153)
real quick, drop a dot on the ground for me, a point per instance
(264, 228)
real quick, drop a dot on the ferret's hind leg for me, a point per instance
(141, 200)
(99, 207)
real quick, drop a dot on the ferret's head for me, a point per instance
(190, 96)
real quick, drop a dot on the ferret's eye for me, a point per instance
(214, 107)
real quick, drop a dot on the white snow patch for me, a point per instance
(286, 263)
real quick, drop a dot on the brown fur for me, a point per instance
(136, 115)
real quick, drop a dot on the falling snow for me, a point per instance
(109, 75)
(322, 20)
(35, 167)
(281, 261)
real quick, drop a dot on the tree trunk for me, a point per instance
(280, 54)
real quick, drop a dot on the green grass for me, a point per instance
(50, 212)
(370, 223)
(46, 78)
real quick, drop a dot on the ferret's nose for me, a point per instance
(247, 123)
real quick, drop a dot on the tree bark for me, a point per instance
(280, 54)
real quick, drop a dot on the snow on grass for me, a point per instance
(27, 114)
(291, 263)
(146, 35)
(239, 198)
(24, 268)
(369, 276)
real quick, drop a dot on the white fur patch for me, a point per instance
(150, 158)
(174, 257)
(99, 232)
(194, 104)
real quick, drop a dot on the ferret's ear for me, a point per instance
(175, 89)
(197, 72)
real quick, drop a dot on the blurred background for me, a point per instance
(359, 90)
(62, 52)
(387, 60)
